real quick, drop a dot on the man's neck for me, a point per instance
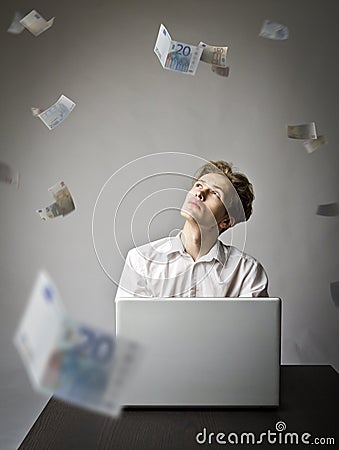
(196, 242)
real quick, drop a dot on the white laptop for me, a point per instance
(203, 351)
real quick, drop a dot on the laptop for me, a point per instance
(203, 351)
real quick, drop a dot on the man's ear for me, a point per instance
(231, 221)
(227, 223)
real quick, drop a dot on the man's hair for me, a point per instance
(243, 187)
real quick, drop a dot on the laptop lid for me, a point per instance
(203, 351)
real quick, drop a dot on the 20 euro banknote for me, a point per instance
(175, 55)
(75, 362)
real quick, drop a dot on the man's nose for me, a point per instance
(200, 195)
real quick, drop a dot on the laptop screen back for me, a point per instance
(203, 352)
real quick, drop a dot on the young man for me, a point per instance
(195, 263)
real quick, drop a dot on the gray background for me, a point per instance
(100, 54)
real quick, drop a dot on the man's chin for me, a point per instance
(186, 214)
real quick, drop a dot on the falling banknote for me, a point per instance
(63, 205)
(49, 212)
(302, 131)
(16, 27)
(334, 288)
(35, 23)
(221, 71)
(75, 362)
(213, 54)
(36, 111)
(8, 175)
(177, 56)
(62, 197)
(273, 30)
(328, 210)
(312, 145)
(56, 113)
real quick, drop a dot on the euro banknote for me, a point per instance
(40, 328)
(16, 27)
(221, 71)
(9, 175)
(57, 113)
(64, 203)
(88, 367)
(49, 212)
(212, 54)
(35, 23)
(334, 288)
(328, 210)
(62, 197)
(273, 30)
(36, 111)
(312, 145)
(75, 362)
(175, 55)
(302, 131)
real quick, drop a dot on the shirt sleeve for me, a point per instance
(132, 281)
(255, 283)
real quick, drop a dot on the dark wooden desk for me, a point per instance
(309, 403)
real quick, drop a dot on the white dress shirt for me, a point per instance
(163, 268)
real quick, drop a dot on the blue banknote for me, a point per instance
(87, 369)
(273, 30)
(175, 55)
(73, 361)
(57, 113)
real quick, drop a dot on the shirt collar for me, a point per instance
(217, 251)
(176, 245)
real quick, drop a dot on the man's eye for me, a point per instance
(216, 193)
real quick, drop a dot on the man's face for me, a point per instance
(205, 202)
